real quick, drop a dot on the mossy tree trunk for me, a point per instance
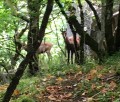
(33, 7)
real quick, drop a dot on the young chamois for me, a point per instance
(45, 47)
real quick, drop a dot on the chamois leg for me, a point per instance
(71, 57)
(49, 56)
(68, 56)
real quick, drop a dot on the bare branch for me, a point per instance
(95, 13)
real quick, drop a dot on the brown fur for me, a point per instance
(43, 48)
(70, 46)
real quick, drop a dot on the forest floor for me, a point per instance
(89, 83)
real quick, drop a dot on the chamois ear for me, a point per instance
(63, 32)
(63, 29)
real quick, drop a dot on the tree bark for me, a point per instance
(108, 27)
(82, 39)
(33, 7)
(117, 35)
(95, 13)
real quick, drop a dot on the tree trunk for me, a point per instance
(34, 65)
(102, 40)
(33, 7)
(82, 39)
(108, 26)
(117, 35)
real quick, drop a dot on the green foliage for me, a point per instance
(85, 79)
(114, 60)
(117, 100)
(24, 99)
(8, 25)
(89, 64)
(27, 100)
(1, 95)
(57, 64)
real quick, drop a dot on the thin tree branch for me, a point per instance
(57, 37)
(22, 17)
(95, 13)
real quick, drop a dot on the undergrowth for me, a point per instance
(71, 83)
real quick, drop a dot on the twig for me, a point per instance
(57, 37)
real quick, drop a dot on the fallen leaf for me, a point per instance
(99, 76)
(90, 99)
(49, 76)
(59, 96)
(44, 79)
(93, 72)
(93, 86)
(104, 90)
(68, 95)
(53, 89)
(84, 93)
(79, 73)
(69, 87)
(59, 79)
(16, 92)
(99, 67)
(3, 87)
(51, 97)
(113, 85)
